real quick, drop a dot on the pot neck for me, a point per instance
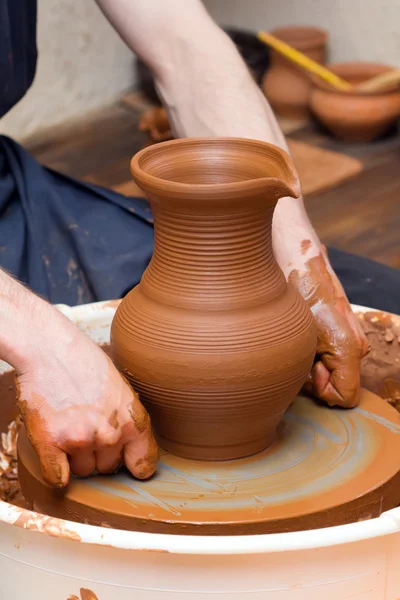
(216, 261)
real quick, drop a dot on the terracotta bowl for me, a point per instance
(355, 116)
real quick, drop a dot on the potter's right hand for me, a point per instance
(341, 343)
(79, 413)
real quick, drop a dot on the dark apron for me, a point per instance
(69, 241)
(73, 242)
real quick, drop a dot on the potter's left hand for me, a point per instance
(80, 414)
(341, 343)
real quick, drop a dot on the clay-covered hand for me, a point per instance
(79, 413)
(341, 343)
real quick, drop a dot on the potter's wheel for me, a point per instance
(327, 467)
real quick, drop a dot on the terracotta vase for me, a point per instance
(287, 86)
(213, 338)
(356, 116)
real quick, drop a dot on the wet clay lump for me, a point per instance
(213, 338)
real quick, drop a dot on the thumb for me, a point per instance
(140, 446)
(141, 455)
(337, 387)
(54, 465)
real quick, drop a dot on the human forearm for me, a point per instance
(26, 321)
(208, 91)
(202, 79)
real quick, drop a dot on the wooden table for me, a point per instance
(361, 215)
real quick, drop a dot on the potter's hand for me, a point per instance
(341, 343)
(79, 412)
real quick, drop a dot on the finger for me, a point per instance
(108, 460)
(75, 438)
(141, 455)
(108, 434)
(338, 387)
(54, 465)
(140, 447)
(82, 463)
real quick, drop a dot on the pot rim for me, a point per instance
(156, 184)
(350, 69)
(302, 37)
(388, 523)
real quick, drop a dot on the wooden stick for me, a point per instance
(390, 80)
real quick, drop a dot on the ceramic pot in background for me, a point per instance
(286, 85)
(355, 116)
(213, 338)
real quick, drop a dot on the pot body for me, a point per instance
(213, 338)
(356, 117)
(285, 85)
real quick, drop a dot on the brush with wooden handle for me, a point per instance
(304, 61)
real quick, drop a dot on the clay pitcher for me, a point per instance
(287, 86)
(213, 338)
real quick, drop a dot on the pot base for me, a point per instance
(206, 453)
(326, 467)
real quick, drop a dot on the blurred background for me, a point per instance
(84, 65)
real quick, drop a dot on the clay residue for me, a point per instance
(88, 594)
(10, 490)
(85, 594)
(113, 419)
(314, 283)
(112, 303)
(380, 370)
(54, 464)
(48, 525)
(335, 374)
(305, 245)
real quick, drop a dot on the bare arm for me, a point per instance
(208, 90)
(23, 318)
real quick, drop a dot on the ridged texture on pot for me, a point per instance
(213, 338)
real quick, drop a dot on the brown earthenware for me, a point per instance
(286, 85)
(213, 338)
(355, 116)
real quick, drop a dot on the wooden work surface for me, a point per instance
(361, 215)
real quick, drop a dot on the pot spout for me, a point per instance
(232, 166)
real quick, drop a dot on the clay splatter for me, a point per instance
(43, 524)
(84, 595)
